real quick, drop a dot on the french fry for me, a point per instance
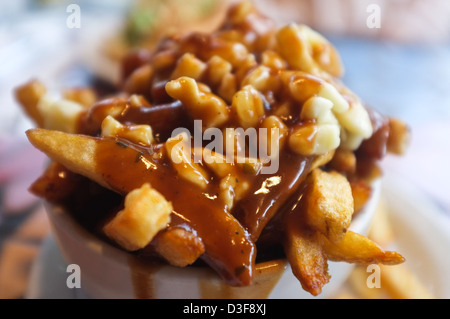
(401, 283)
(139, 81)
(328, 203)
(380, 230)
(82, 95)
(356, 248)
(306, 257)
(344, 161)
(75, 152)
(398, 282)
(56, 183)
(345, 294)
(361, 192)
(28, 95)
(399, 136)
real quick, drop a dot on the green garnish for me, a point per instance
(122, 144)
(139, 155)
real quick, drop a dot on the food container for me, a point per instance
(109, 272)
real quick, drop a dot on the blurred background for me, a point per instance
(396, 54)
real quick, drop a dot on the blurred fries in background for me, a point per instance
(399, 282)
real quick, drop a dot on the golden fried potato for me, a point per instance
(361, 192)
(75, 152)
(356, 248)
(82, 95)
(399, 136)
(56, 183)
(381, 230)
(344, 161)
(401, 283)
(28, 95)
(139, 82)
(306, 257)
(328, 204)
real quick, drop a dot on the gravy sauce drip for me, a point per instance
(270, 192)
(163, 118)
(229, 249)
